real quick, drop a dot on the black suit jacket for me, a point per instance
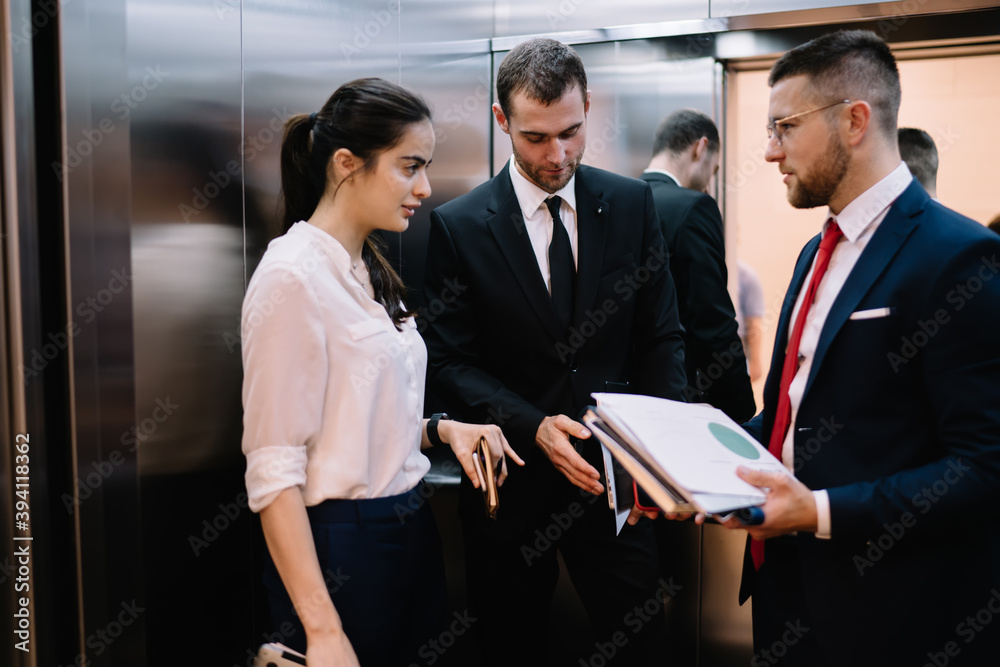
(714, 357)
(900, 422)
(496, 351)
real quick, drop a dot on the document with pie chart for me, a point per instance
(684, 455)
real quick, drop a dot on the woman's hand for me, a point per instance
(330, 650)
(463, 440)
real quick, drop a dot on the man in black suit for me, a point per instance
(560, 296)
(685, 157)
(883, 394)
(920, 153)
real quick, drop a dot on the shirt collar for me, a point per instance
(872, 203)
(330, 246)
(530, 196)
(665, 173)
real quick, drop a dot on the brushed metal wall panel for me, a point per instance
(98, 202)
(183, 109)
(513, 17)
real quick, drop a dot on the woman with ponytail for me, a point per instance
(333, 391)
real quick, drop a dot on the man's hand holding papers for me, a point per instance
(685, 456)
(789, 506)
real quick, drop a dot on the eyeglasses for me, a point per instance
(773, 132)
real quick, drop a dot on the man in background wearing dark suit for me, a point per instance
(564, 291)
(685, 158)
(918, 151)
(883, 395)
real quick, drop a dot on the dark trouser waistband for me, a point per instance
(394, 508)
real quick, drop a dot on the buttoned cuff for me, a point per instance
(822, 499)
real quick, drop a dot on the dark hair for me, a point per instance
(682, 128)
(367, 117)
(994, 224)
(543, 68)
(920, 154)
(849, 64)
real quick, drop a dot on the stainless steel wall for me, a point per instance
(165, 120)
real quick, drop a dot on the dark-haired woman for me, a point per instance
(333, 390)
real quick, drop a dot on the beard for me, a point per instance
(819, 186)
(547, 182)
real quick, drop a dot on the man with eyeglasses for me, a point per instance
(883, 396)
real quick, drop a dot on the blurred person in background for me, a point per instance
(685, 158)
(918, 151)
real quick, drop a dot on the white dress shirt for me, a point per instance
(858, 221)
(538, 220)
(332, 393)
(665, 173)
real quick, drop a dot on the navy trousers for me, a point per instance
(381, 559)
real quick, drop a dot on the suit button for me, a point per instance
(574, 368)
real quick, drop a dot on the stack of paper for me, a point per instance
(684, 455)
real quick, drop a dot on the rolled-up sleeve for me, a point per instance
(285, 370)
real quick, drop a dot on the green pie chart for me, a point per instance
(733, 441)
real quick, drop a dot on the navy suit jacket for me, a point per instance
(496, 352)
(900, 422)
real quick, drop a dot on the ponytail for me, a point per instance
(367, 117)
(299, 188)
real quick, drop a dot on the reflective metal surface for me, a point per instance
(514, 17)
(166, 120)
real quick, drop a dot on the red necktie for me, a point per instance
(783, 417)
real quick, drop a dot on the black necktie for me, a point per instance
(561, 268)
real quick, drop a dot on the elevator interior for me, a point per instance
(140, 182)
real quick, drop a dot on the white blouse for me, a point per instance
(332, 393)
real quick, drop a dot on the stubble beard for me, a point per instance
(548, 183)
(823, 182)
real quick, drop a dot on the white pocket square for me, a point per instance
(871, 314)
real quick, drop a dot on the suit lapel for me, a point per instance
(507, 225)
(784, 320)
(885, 243)
(592, 228)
